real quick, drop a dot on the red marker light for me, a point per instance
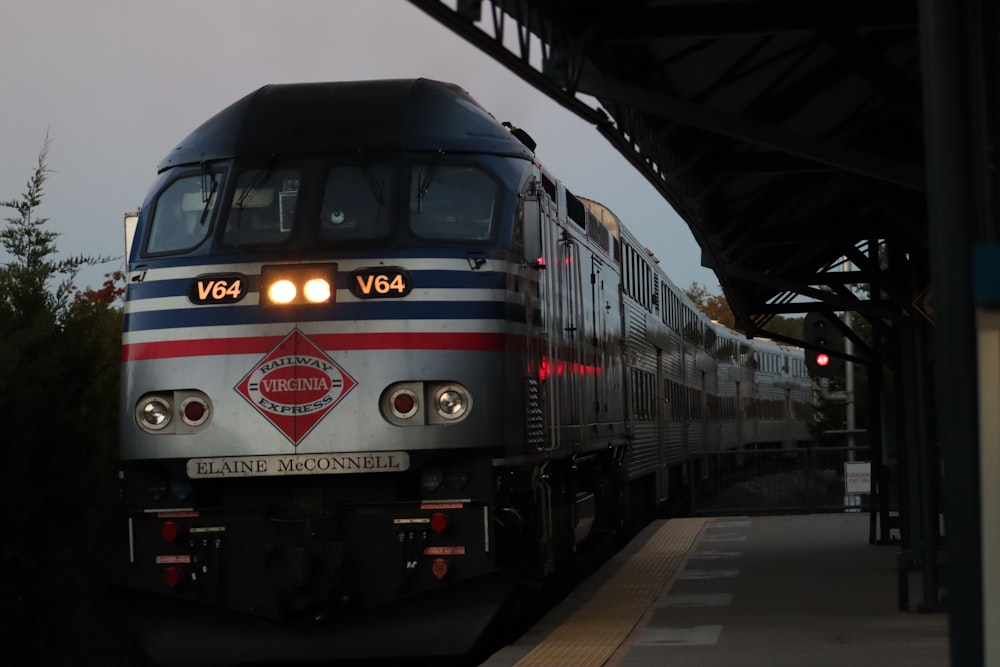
(170, 531)
(403, 403)
(822, 360)
(172, 577)
(194, 411)
(440, 567)
(439, 522)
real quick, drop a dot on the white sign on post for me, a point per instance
(857, 477)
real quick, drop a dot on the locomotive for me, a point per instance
(378, 365)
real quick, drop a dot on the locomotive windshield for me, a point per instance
(306, 202)
(452, 202)
(263, 207)
(182, 214)
(356, 203)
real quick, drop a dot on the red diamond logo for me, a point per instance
(295, 386)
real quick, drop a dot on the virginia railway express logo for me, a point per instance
(295, 386)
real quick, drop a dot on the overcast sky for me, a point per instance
(117, 83)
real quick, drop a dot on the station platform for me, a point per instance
(775, 591)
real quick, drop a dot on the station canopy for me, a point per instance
(788, 135)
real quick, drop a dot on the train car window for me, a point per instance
(452, 202)
(550, 187)
(575, 210)
(263, 207)
(356, 203)
(182, 214)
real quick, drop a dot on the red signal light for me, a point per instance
(822, 359)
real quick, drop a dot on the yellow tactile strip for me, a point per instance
(592, 634)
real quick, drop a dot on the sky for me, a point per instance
(116, 84)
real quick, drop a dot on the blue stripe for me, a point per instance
(430, 279)
(295, 255)
(375, 309)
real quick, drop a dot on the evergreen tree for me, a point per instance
(58, 407)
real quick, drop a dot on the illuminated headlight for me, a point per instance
(282, 292)
(451, 402)
(297, 285)
(317, 290)
(153, 413)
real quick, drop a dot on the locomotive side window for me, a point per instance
(182, 214)
(263, 207)
(452, 202)
(356, 203)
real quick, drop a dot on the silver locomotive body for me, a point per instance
(325, 347)
(377, 362)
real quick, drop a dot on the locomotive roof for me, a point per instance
(397, 114)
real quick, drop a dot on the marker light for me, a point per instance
(440, 567)
(439, 522)
(194, 411)
(170, 531)
(404, 403)
(421, 403)
(155, 412)
(172, 577)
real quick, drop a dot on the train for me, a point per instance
(380, 367)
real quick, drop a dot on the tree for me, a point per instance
(25, 282)
(714, 306)
(58, 407)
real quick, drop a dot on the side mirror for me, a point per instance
(531, 228)
(131, 221)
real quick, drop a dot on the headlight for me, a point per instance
(297, 285)
(177, 411)
(281, 292)
(451, 402)
(153, 413)
(422, 403)
(316, 290)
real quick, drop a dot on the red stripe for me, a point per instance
(477, 342)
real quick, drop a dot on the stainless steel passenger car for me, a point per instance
(378, 362)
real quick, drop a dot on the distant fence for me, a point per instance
(771, 481)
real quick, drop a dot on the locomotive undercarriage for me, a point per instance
(316, 555)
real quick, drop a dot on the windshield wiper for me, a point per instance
(425, 184)
(206, 197)
(255, 180)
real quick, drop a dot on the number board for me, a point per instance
(218, 288)
(387, 282)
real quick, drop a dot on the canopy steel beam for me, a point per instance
(694, 115)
